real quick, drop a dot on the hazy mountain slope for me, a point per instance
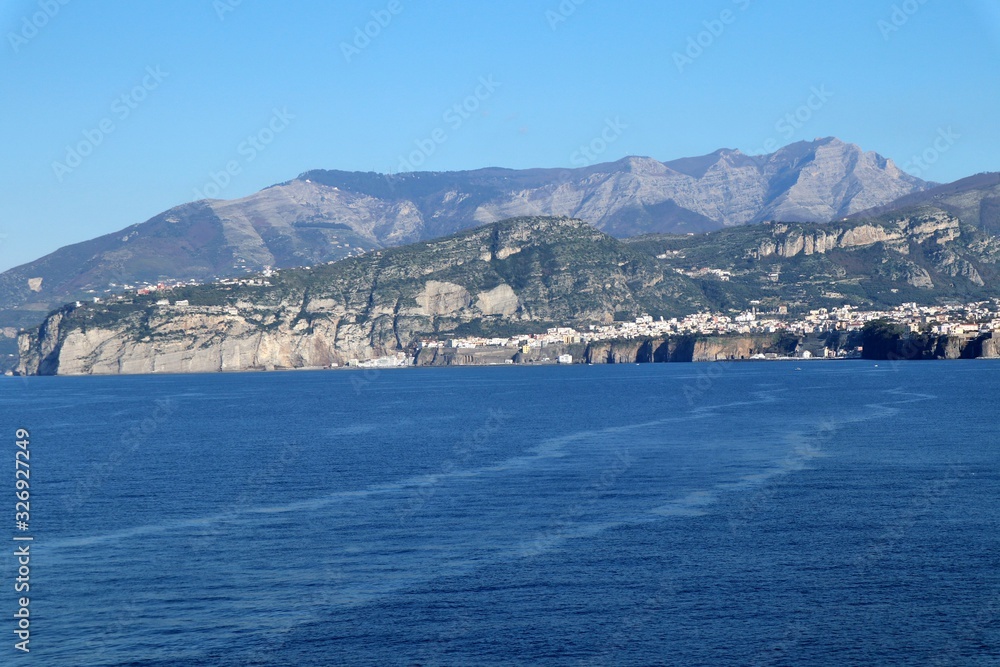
(924, 255)
(828, 179)
(811, 181)
(526, 273)
(327, 215)
(974, 200)
(200, 241)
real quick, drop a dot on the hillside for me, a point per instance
(925, 255)
(526, 273)
(516, 276)
(974, 200)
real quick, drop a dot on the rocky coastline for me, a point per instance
(886, 344)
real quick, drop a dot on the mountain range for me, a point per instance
(974, 200)
(324, 216)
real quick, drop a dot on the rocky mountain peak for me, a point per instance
(640, 165)
(323, 216)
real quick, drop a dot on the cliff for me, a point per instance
(922, 255)
(198, 342)
(523, 274)
(689, 348)
(886, 342)
(895, 233)
(744, 347)
(519, 276)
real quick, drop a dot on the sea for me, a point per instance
(772, 513)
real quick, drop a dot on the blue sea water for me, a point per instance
(832, 513)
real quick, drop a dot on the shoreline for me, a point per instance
(356, 369)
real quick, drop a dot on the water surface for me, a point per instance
(827, 513)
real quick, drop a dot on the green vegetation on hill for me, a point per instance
(519, 275)
(526, 274)
(923, 256)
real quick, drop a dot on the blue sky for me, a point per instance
(271, 89)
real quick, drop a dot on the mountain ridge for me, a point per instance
(323, 216)
(975, 199)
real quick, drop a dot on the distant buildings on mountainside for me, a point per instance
(961, 319)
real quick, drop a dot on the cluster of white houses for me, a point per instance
(959, 319)
(968, 319)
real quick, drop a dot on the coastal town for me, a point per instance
(954, 319)
(969, 319)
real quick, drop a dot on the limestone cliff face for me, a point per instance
(624, 352)
(788, 241)
(949, 347)
(725, 348)
(39, 351)
(528, 270)
(501, 300)
(950, 263)
(687, 349)
(883, 346)
(932, 232)
(990, 347)
(986, 346)
(199, 342)
(618, 352)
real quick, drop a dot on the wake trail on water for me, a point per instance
(550, 448)
(400, 558)
(547, 534)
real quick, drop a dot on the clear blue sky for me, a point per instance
(559, 83)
